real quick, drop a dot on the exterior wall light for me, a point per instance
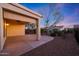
(6, 24)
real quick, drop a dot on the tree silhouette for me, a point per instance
(51, 9)
(57, 17)
(51, 12)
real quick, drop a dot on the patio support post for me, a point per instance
(1, 29)
(38, 30)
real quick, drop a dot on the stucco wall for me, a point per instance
(15, 30)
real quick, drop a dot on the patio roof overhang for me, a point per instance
(18, 12)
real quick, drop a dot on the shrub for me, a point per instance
(43, 31)
(55, 32)
(76, 34)
(28, 31)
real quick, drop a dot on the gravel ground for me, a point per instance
(58, 47)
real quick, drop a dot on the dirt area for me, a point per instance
(58, 47)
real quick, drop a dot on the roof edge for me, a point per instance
(26, 9)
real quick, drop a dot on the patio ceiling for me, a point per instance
(15, 16)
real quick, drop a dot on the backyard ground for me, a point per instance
(58, 47)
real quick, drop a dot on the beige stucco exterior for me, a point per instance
(16, 16)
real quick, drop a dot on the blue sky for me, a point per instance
(69, 11)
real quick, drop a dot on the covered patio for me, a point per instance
(13, 18)
(19, 45)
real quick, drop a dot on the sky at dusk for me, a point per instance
(69, 11)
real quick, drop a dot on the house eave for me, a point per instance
(20, 9)
(26, 9)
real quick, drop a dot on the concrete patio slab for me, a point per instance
(15, 46)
